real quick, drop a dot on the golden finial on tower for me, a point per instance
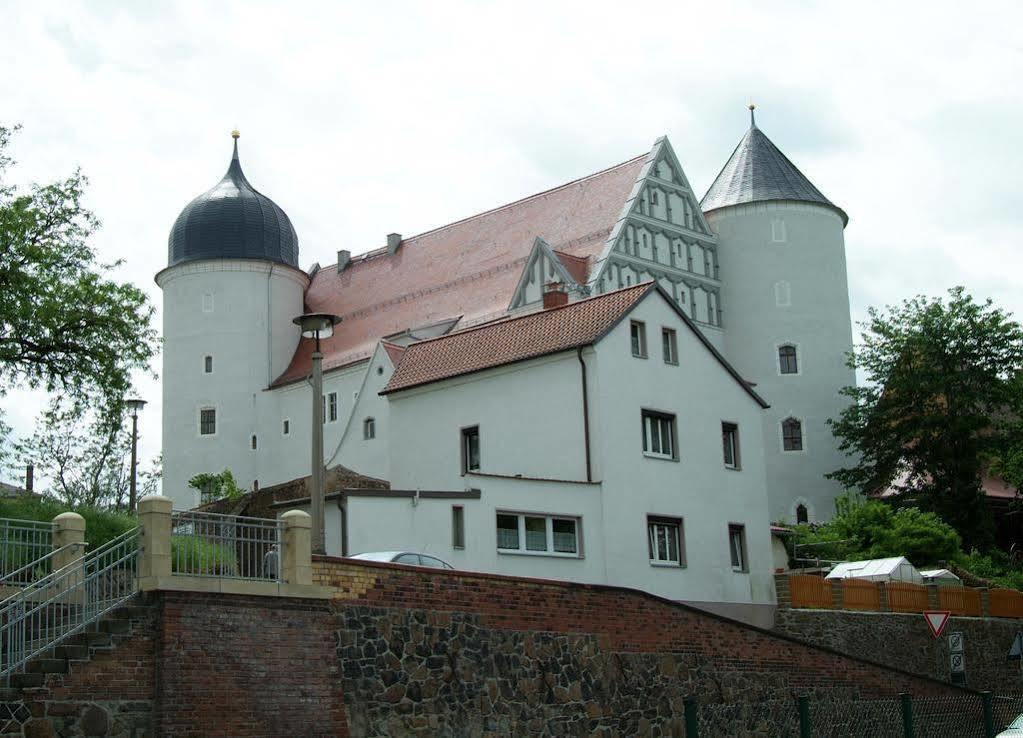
(752, 118)
(235, 134)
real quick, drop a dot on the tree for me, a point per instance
(874, 530)
(216, 486)
(64, 325)
(938, 405)
(86, 456)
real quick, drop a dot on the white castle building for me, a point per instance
(610, 381)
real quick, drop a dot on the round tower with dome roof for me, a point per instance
(231, 288)
(782, 253)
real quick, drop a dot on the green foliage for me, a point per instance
(995, 566)
(216, 486)
(64, 324)
(100, 525)
(941, 388)
(875, 530)
(192, 555)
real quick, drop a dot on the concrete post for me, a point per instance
(297, 559)
(69, 547)
(316, 476)
(155, 540)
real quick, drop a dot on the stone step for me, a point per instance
(131, 612)
(90, 639)
(10, 694)
(115, 625)
(47, 666)
(27, 680)
(72, 652)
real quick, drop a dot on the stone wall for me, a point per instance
(430, 653)
(903, 640)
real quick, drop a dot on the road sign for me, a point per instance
(937, 621)
(958, 663)
(1016, 650)
(955, 643)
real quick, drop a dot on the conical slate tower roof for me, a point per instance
(233, 221)
(757, 171)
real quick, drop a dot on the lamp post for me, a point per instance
(135, 405)
(317, 326)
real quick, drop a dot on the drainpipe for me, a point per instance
(586, 413)
(342, 510)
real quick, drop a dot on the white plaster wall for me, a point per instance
(817, 320)
(697, 487)
(248, 339)
(353, 450)
(529, 415)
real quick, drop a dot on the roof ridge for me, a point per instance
(647, 284)
(380, 251)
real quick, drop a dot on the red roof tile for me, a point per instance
(577, 266)
(394, 352)
(468, 268)
(525, 337)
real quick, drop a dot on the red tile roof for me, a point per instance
(577, 266)
(516, 339)
(394, 352)
(468, 268)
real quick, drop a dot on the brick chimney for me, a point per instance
(554, 295)
(344, 258)
(393, 242)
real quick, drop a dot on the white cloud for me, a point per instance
(361, 119)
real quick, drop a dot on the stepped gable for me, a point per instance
(469, 268)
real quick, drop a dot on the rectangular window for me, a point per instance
(666, 541)
(207, 421)
(659, 435)
(207, 364)
(669, 344)
(730, 442)
(737, 547)
(550, 535)
(638, 332)
(369, 429)
(788, 362)
(332, 407)
(457, 526)
(286, 427)
(778, 230)
(471, 449)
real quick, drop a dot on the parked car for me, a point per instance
(404, 557)
(1013, 729)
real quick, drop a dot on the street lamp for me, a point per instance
(317, 326)
(135, 405)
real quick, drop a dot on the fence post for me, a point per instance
(69, 532)
(907, 715)
(803, 702)
(155, 538)
(989, 714)
(298, 558)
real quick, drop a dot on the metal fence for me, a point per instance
(23, 542)
(900, 716)
(228, 546)
(50, 609)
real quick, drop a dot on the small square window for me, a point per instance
(470, 449)
(665, 541)
(659, 435)
(207, 421)
(669, 345)
(730, 442)
(457, 527)
(638, 334)
(207, 364)
(737, 547)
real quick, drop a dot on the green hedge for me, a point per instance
(100, 525)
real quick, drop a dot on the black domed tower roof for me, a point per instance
(233, 221)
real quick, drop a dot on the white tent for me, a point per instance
(896, 569)
(940, 576)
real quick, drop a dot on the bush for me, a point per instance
(193, 555)
(100, 525)
(995, 567)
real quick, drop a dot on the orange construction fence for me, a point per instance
(810, 591)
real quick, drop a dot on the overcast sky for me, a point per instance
(360, 119)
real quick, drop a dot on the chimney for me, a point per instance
(554, 295)
(344, 258)
(30, 473)
(393, 242)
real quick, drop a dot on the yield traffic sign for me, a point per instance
(937, 621)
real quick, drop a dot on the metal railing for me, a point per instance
(64, 602)
(23, 542)
(36, 569)
(228, 546)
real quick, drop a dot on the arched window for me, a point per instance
(792, 434)
(787, 361)
(802, 515)
(369, 428)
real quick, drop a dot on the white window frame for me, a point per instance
(671, 355)
(654, 522)
(549, 519)
(458, 527)
(463, 440)
(777, 359)
(648, 417)
(640, 328)
(216, 421)
(743, 552)
(369, 424)
(333, 407)
(726, 426)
